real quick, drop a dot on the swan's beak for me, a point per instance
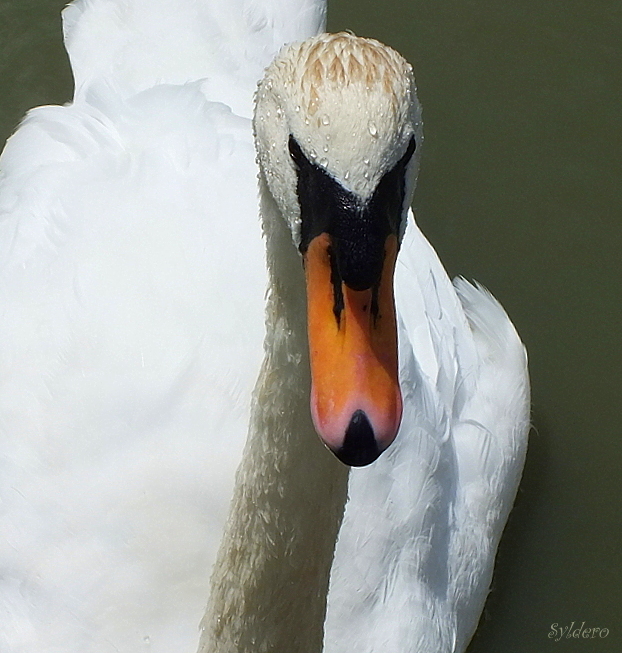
(356, 402)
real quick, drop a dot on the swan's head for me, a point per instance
(337, 126)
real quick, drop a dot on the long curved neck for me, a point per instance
(270, 580)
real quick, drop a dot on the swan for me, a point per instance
(133, 278)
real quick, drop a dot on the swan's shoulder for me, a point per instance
(490, 442)
(416, 551)
(132, 278)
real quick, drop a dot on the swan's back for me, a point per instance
(139, 44)
(132, 283)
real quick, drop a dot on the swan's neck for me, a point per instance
(269, 585)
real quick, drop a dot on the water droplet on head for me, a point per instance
(347, 175)
(373, 130)
(323, 162)
(306, 121)
(297, 108)
(325, 148)
(366, 162)
(366, 174)
(313, 154)
(325, 120)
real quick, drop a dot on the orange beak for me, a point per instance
(356, 403)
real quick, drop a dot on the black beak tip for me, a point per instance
(359, 447)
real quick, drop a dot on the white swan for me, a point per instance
(132, 283)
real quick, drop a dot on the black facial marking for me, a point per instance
(358, 230)
(335, 280)
(374, 302)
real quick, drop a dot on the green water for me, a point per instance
(519, 189)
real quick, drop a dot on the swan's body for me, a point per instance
(132, 278)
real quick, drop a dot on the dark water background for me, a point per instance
(520, 188)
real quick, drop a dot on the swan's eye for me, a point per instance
(388, 198)
(295, 152)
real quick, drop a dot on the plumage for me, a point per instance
(132, 281)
